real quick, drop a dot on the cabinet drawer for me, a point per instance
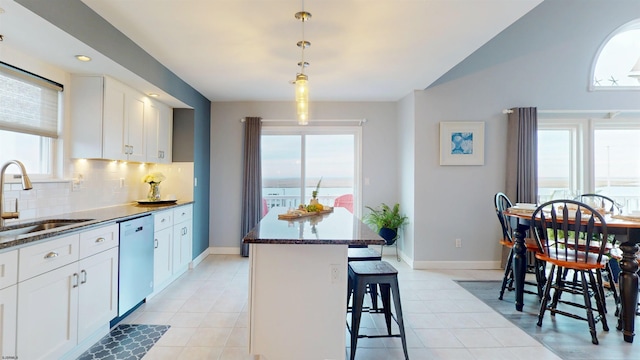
(182, 213)
(99, 239)
(37, 259)
(162, 220)
(8, 269)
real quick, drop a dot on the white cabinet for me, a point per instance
(182, 237)
(8, 302)
(110, 120)
(162, 261)
(173, 243)
(68, 297)
(159, 122)
(123, 124)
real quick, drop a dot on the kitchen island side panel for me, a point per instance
(297, 301)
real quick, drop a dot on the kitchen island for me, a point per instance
(298, 284)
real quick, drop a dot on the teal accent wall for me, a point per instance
(79, 21)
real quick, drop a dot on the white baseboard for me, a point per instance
(199, 258)
(456, 265)
(224, 250)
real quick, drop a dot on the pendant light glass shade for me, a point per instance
(302, 99)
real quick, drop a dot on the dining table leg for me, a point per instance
(628, 281)
(519, 263)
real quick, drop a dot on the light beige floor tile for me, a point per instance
(200, 353)
(438, 338)
(158, 352)
(186, 319)
(216, 319)
(239, 337)
(176, 336)
(154, 318)
(240, 353)
(215, 337)
(475, 338)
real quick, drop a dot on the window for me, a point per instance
(294, 160)
(590, 156)
(618, 62)
(28, 120)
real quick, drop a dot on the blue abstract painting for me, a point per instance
(461, 143)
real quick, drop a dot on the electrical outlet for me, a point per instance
(121, 183)
(458, 243)
(335, 273)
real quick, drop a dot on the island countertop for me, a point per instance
(339, 227)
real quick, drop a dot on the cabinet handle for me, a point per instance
(155, 243)
(75, 277)
(51, 255)
(100, 239)
(131, 150)
(163, 219)
(84, 276)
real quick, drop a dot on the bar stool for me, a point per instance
(374, 273)
(367, 254)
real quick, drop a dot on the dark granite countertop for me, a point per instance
(95, 217)
(335, 228)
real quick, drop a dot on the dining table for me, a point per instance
(626, 226)
(298, 282)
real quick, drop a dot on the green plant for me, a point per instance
(385, 217)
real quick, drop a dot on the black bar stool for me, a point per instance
(367, 254)
(374, 273)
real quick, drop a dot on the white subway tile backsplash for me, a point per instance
(98, 186)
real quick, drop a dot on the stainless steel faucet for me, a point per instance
(26, 185)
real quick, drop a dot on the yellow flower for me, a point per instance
(156, 177)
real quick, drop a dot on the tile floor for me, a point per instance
(207, 311)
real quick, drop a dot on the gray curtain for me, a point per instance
(522, 155)
(252, 178)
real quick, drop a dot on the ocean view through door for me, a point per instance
(293, 163)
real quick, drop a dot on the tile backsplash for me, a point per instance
(96, 184)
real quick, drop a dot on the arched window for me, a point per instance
(617, 64)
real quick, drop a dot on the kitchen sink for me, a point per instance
(28, 228)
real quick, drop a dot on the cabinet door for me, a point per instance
(159, 129)
(114, 132)
(8, 324)
(181, 246)
(135, 128)
(48, 314)
(162, 262)
(98, 291)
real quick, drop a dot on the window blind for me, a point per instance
(28, 103)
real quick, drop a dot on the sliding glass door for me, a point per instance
(294, 161)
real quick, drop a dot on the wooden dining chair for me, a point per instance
(609, 206)
(508, 224)
(564, 230)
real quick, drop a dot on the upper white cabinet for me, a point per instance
(110, 120)
(159, 122)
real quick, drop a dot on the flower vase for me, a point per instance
(154, 192)
(313, 201)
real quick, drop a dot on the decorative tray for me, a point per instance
(158, 202)
(298, 215)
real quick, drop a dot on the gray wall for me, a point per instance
(542, 60)
(80, 21)
(379, 152)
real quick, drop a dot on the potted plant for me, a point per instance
(386, 220)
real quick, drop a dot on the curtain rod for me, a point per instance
(359, 121)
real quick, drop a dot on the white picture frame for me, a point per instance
(462, 143)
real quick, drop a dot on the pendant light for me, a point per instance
(302, 81)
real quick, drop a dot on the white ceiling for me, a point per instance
(244, 50)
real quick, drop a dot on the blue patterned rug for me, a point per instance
(126, 341)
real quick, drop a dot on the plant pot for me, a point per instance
(389, 235)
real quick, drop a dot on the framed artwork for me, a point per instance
(461, 143)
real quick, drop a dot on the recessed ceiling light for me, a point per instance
(153, 95)
(84, 58)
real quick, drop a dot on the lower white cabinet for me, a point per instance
(8, 316)
(182, 243)
(60, 307)
(162, 262)
(173, 244)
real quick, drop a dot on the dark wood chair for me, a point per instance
(508, 224)
(607, 205)
(564, 230)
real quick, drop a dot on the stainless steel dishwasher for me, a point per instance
(135, 277)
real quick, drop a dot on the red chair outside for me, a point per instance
(265, 208)
(345, 201)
